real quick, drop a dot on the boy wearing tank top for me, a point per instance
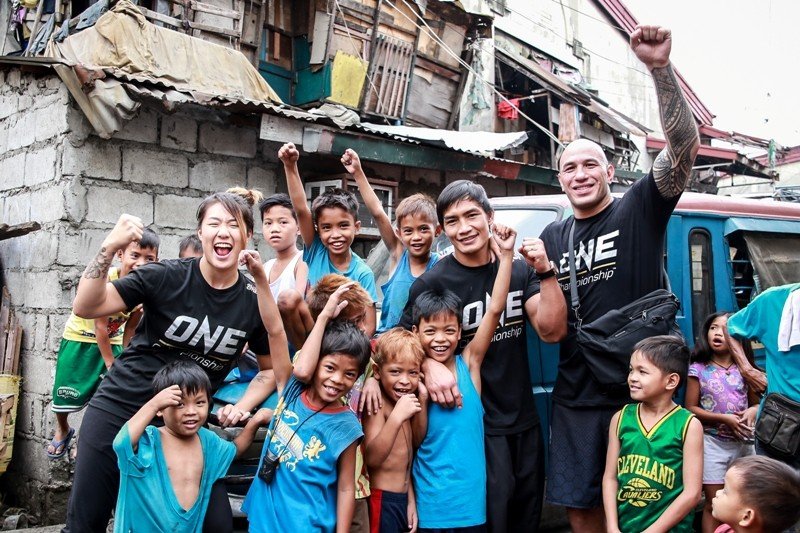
(280, 228)
(409, 242)
(654, 466)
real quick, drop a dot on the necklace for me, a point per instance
(727, 369)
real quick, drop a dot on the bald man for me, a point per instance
(619, 247)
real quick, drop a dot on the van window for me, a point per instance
(775, 256)
(702, 278)
(744, 282)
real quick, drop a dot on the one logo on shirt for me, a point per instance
(638, 493)
(187, 330)
(594, 260)
(474, 311)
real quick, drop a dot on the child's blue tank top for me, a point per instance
(450, 466)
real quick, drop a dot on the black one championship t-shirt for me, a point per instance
(184, 318)
(619, 256)
(505, 374)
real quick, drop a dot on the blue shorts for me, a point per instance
(388, 511)
(578, 446)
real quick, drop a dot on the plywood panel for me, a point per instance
(430, 101)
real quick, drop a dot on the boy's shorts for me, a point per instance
(79, 369)
(578, 446)
(718, 454)
(388, 511)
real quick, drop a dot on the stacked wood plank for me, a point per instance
(10, 337)
(10, 343)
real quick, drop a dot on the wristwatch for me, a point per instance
(548, 273)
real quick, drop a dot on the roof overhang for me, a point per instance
(726, 159)
(567, 92)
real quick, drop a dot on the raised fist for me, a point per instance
(288, 154)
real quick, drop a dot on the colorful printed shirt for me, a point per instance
(722, 391)
(302, 495)
(82, 329)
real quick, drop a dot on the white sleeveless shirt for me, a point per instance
(287, 278)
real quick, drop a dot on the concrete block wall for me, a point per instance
(54, 171)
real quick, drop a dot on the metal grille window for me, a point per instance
(390, 72)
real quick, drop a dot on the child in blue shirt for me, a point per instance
(152, 496)
(328, 230)
(449, 470)
(409, 243)
(306, 476)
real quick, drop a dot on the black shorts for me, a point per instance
(388, 511)
(578, 446)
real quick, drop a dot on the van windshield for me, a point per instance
(528, 221)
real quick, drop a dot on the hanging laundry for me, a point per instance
(508, 110)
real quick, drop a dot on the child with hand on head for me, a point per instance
(166, 474)
(654, 465)
(328, 230)
(760, 495)
(388, 443)
(359, 303)
(409, 242)
(449, 470)
(306, 476)
(719, 397)
(90, 346)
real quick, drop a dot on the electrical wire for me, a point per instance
(464, 64)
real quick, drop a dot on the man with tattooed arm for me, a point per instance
(619, 247)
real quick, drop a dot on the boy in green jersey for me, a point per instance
(654, 467)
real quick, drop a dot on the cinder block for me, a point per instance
(14, 78)
(3, 138)
(14, 252)
(96, 159)
(179, 132)
(56, 331)
(51, 120)
(43, 290)
(154, 167)
(39, 373)
(49, 204)
(17, 209)
(25, 128)
(12, 170)
(38, 334)
(8, 105)
(42, 249)
(24, 103)
(217, 175)
(228, 140)
(107, 204)
(263, 179)
(40, 166)
(174, 211)
(142, 128)
(77, 249)
(169, 243)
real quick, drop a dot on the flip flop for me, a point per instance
(60, 446)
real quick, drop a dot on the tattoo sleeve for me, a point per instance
(673, 165)
(98, 267)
